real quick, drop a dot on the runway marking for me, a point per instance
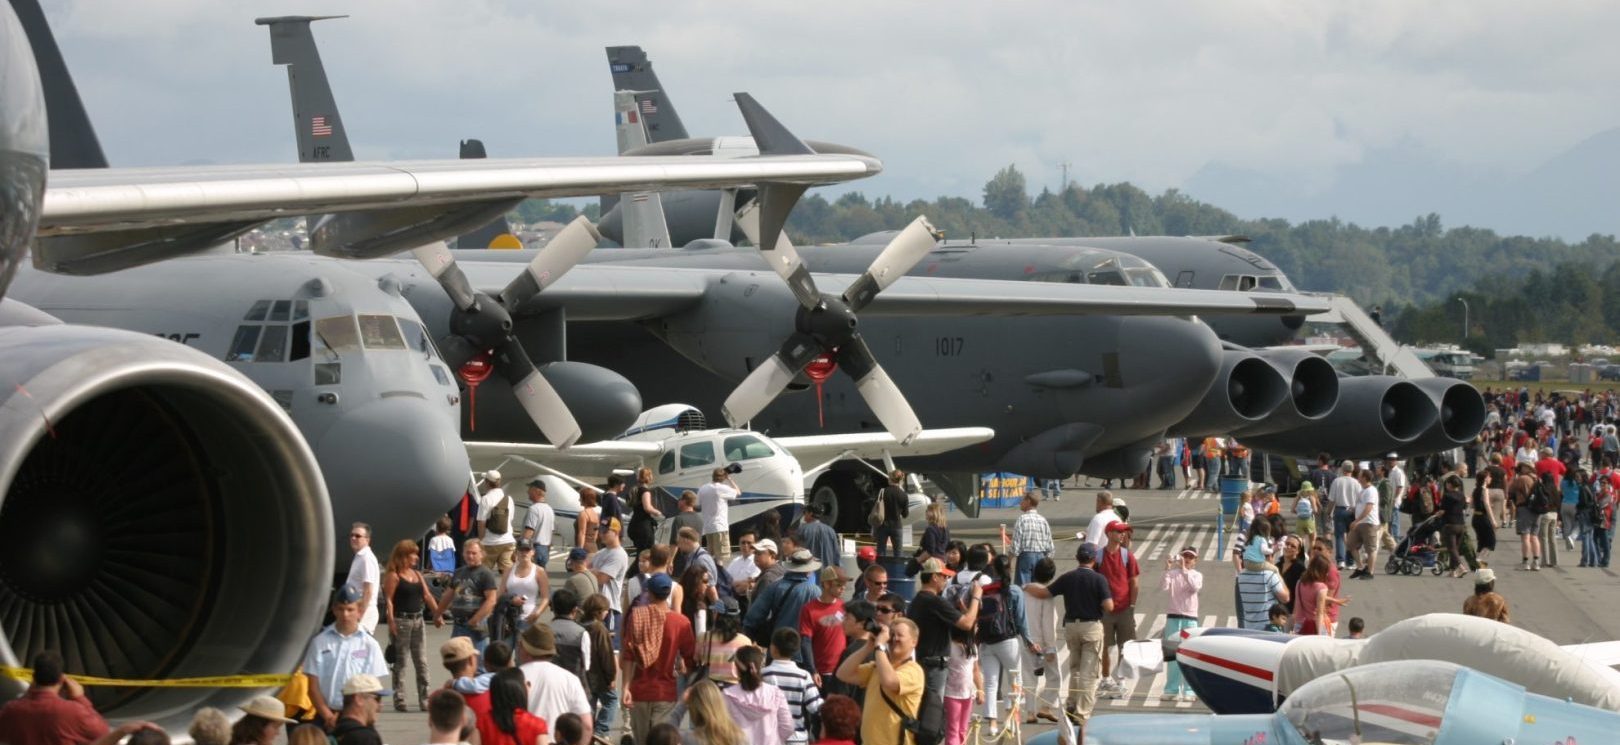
(1134, 682)
(1184, 493)
(1155, 684)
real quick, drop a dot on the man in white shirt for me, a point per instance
(742, 569)
(540, 524)
(1342, 495)
(1364, 528)
(498, 544)
(365, 574)
(1099, 525)
(714, 500)
(553, 690)
(1397, 487)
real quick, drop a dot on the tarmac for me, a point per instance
(1566, 604)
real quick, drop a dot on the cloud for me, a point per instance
(946, 93)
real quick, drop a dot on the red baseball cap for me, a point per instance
(1117, 527)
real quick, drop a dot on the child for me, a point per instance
(964, 687)
(1279, 618)
(1257, 552)
(803, 698)
(1305, 512)
(1358, 628)
(442, 548)
(1246, 512)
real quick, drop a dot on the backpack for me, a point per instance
(500, 517)
(996, 622)
(1541, 500)
(722, 583)
(1586, 503)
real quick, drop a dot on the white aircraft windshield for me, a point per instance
(1390, 703)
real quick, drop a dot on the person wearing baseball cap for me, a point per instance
(937, 619)
(1485, 603)
(1086, 600)
(1120, 568)
(654, 636)
(821, 623)
(339, 652)
(362, 699)
(1182, 581)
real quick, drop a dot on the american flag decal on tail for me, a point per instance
(319, 127)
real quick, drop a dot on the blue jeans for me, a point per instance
(479, 638)
(1604, 537)
(542, 554)
(606, 703)
(1393, 520)
(1589, 547)
(1026, 567)
(1342, 517)
(884, 532)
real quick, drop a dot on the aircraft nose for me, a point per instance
(396, 464)
(1172, 361)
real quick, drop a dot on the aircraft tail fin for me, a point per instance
(627, 121)
(498, 232)
(73, 139)
(316, 122)
(633, 72)
(641, 212)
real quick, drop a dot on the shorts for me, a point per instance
(1305, 525)
(1119, 627)
(1524, 521)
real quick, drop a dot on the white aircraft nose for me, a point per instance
(1233, 671)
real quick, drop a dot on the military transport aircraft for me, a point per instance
(163, 516)
(1102, 401)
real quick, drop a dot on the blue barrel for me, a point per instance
(1232, 488)
(899, 583)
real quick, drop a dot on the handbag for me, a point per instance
(391, 655)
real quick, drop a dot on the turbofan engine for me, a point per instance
(162, 518)
(1246, 391)
(1375, 414)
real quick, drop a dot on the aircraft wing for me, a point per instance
(813, 449)
(921, 296)
(586, 460)
(99, 220)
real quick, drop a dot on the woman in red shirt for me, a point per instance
(512, 724)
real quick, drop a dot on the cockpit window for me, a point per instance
(300, 310)
(258, 311)
(1246, 283)
(1272, 282)
(242, 346)
(380, 332)
(338, 333)
(1400, 703)
(697, 454)
(280, 309)
(417, 339)
(272, 345)
(666, 464)
(745, 447)
(300, 340)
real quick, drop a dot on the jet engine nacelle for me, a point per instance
(1375, 415)
(1313, 392)
(162, 518)
(1246, 390)
(1461, 416)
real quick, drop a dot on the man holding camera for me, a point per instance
(894, 683)
(714, 500)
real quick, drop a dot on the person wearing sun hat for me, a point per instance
(362, 699)
(1182, 581)
(1305, 511)
(1485, 603)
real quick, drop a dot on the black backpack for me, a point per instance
(1543, 496)
(996, 622)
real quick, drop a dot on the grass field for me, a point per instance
(1547, 386)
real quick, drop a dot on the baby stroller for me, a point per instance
(1418, 550)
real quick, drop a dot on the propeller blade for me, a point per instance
(897, 258)
(535, 394)
(784, 260)
(769, 379)
(566, 248)
(436, 258)
(882, 396)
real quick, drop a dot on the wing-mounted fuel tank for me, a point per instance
(1247, 390)
(1376, 414)
(162, 518)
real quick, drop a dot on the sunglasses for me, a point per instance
(874, 583)
(357, 535)
(881, 609)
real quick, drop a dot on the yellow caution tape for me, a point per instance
(220, 681)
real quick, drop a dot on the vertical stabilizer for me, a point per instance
(73, 140)
(632, 72)
(498, 232)
(316, 121)
(642, 212)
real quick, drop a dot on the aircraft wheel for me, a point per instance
(825, 498)
(834, 488)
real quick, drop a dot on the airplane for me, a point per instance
(1238, 671)
(164, 516)
(675, 441)
(1409, 702)
(1052, 406)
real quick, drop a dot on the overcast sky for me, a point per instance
(944, 92)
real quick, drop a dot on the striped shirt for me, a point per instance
(800, 689)
(1032, 534)
(1256, 592)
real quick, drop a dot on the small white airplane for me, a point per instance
(673, 441)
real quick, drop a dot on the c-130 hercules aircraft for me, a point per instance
(163, 516)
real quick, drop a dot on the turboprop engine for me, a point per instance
(162, 518)
(1375, 415)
